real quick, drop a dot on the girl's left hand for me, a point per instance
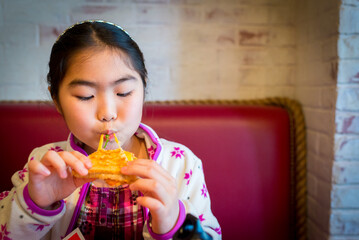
(159, 190)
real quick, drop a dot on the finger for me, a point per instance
(87, 162)
(81, 181)
(147, 169)
(52, 159)
(154, 189)
(145, 172)
(37, 168)
(75, 161)
(151, 203)
(152, 171)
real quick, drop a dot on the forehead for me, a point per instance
(96, 55)
(99, 62)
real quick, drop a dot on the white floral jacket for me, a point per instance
(20, 218)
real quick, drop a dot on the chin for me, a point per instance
(111, 145)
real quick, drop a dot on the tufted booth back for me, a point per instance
(246, 150)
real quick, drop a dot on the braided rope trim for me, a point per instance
(298, 150)
(36, 102)
(298, 153)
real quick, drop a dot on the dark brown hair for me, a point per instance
(91, 34)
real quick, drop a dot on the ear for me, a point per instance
(57, 104)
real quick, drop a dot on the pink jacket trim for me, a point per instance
(36, 209)
(180, 221)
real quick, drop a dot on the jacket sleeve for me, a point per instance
(194, 194)
(181, 163)
(20, 218)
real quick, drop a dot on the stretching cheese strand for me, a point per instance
(100, 143)
(118, 143)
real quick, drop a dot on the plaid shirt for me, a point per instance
(111, 213)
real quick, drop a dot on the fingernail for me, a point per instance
(45, 171)
(64, 173)
(84, 171)
(88, 164)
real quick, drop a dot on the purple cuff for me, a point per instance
(169, 235)
(36, 209)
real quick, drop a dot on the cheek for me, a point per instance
(133, 112)
(136, 111)
(76, 117)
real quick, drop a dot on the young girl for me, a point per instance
(97, 80)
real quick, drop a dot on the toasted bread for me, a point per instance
(107, 164)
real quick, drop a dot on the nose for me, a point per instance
(106, 110)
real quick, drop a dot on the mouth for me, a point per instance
(108, 134)
(109, 137)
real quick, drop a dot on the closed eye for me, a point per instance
(124, 94)
(84, 98)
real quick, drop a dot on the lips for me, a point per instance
(109, 133)
(111, 137)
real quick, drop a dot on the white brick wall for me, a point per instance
(347, 122)
(344, 224)
(348, 71)
(235, 48)
(315, 88)
(344, 219)
(327, 85)
(348, 97)
(346, 172)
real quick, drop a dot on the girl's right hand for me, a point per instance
(51, 180)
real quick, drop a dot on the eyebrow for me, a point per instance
(83, 82)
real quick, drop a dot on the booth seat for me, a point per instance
(253, 155)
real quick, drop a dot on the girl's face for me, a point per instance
(101, 94)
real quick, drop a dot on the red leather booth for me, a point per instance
(247, 154)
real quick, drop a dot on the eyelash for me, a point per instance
(124, 94)
(118, 94)
(84, 98)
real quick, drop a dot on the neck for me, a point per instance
(137, 146)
